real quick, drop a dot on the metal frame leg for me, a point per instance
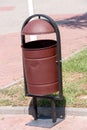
(35, 108)
(53, 110)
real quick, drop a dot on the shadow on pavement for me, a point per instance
(77, 21)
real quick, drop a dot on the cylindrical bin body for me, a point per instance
(41, 70)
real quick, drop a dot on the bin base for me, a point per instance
(41, 90)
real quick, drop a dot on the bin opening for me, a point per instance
(40, 44)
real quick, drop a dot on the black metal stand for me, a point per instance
(36, 112)
(35, 108)
(53, 110)
(53, 106)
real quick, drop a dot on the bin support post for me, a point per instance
(35, 108)
(53, 110)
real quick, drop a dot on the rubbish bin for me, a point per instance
(40, 65)
(40, 57)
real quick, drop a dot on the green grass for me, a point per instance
(13, 96)
(74, 86)
(75, 79)
(76, 64)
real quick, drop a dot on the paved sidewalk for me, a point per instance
(18, 122)
(12, 14)
(17, 118)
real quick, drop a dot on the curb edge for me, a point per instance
(43, 110)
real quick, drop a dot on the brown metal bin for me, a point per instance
(40, 65)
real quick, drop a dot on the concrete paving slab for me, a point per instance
(44, 122)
